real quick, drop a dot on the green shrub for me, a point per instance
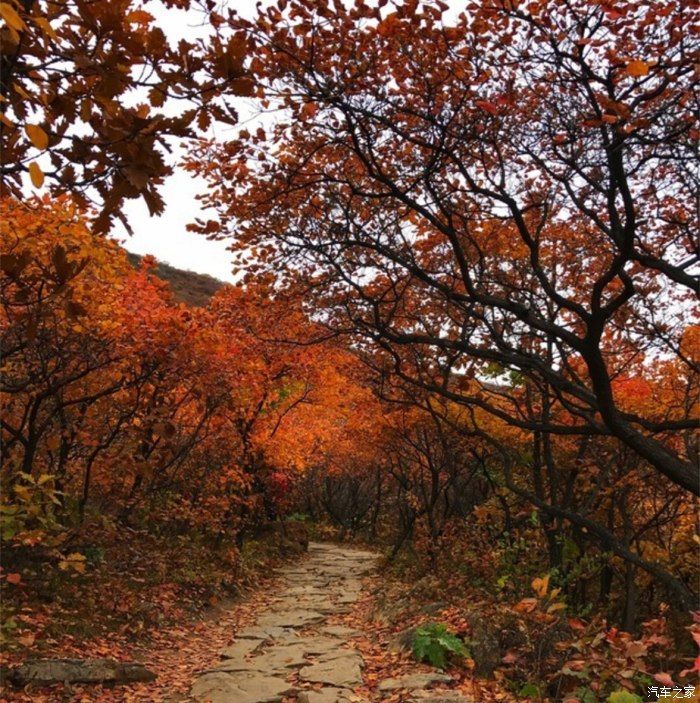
(434, 642)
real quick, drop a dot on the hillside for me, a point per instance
(189, 287)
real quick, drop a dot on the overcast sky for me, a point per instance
(166, 236)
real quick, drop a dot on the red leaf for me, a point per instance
(488, 106)
(696, 667)
(612, 12)
(663, 678)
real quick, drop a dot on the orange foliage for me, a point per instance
(116, 395)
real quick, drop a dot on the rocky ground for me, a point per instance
(297, 650)
(322, 629)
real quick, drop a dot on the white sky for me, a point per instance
(166, 237)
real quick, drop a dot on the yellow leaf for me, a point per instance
(540, 586)
(75, 561)
(37, 136)
(637, 68)
(9, 14)
(22, 493)
(36, 174)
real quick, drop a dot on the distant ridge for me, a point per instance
(195, 289)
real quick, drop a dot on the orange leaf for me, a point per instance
(9, 14)
(13, 578)
(526, 605)
(696, 667)
(36, 174)
(388, 25)
(45, 26)
(27, 640)
(53, 442)
(541, 585)
(637, 68)
(308, 111)
(37, 136)
(139, 17)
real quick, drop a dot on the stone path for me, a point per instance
(292, 650)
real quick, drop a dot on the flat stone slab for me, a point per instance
(342, 672)
(318, 604)
(225, 688)
(348, 598)
(413, 681)
(339, 631)
(257, 666)
(292, 618)
(328, 694)
(275, 660)
(241, 648)
(271, 632)
(310, 590)
(437, 695)
(320, 645)
(348, 654)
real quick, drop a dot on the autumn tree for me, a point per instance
(431, 471)
(118, 398)
(95, 95)
(505, 193)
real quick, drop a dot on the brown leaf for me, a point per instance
(244, 87)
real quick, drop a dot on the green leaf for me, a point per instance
(529, 690)
(623, 697)
(433, 642)
(570, 550)
(586, 695)
(436, 654)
